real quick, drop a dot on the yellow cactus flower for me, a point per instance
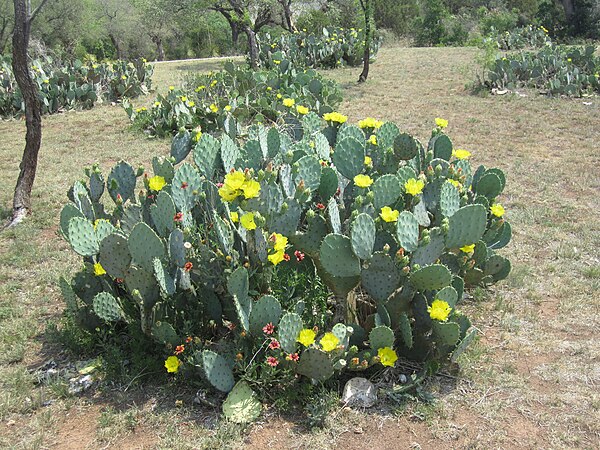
(387, 356)
(373, 140)
(247, 221)
(289, 102)
(279, 96)
(235, 180)
(329, 342)
(213, 83)
(234, 216)
(439, 310)
(363, 181)
(227, 108)
(335, 117)
(123, 77)
(99, 270)
(497, 210)
(199, 88)
(276, 61)
(468, 248)
(251, 189)
(157, 104)
(191, 104)
(172, 364)
(227, 193)
(461, 154)
(369, 122)
(183, 98)
(156, 183)
(368, 161)
(388, 214)
(442, 123)
(269, 88)
(276, 257)
(214, 108)
(306, 337)
(280, 242)
(454, 183)
(171, 88)
(414, 186)
(302, 109)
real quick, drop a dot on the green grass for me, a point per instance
(528, 382)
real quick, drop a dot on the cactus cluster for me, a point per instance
(370, 211)
(74, 84)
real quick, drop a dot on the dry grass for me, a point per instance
(530, 382)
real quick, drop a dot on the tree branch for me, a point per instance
(36, 11)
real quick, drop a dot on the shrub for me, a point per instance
(560, 70)
(333, 47)
(74, 85)
(237, 96)
(394, 231)
(530, 36)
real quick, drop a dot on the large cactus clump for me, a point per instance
(393, 228)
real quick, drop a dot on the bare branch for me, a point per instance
(36, 11)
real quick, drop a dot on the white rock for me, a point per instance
(359, 392)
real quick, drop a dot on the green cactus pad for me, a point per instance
(230, 153)
(68, 295)
(114, 255)
(429, 278)
(224, 233)
(386, 135)
(181, 146)
(333, 212)
(241, 405)
(266, 310)
(381, 278)
(237, 286)
(349, 157)
(206, 154)
(82, 237)
(286, 223)
(329, 183)
(502, 238)
(162, 213)
(449, 295)
(449, 200)
(107, 307)
(311, 123)
(382, 317)
(164, 333)
(309, 171)
(404, 174)
(363, 236)
(82, 200)
(309, 242)
(273, 142)
(103, 228)
(322, 148)
(467, 226)
(121, 181)
(217, 371)
(459, 285)
(176, 248)
(185, 183)
(421, 214)
(498, 267)
(337, 257)
(290, 326)
(489, 185)
(381, 337)
(144, 246)
(463, 345)
(145, 283)
(407, 231)
(163, 168)
(446, 333)
(442, 147)
(387, 191)
(347, 131)
(132, 215)
(405, 330)
(430, 253)
(342, 332)
(499, 174)
(165, 280)
(67, 213)
(315, 364)
(96, 186)
(405, 147)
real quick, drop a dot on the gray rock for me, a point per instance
(359, 392)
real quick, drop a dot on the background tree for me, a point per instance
(119, 19)
(367, 6)
(33, 110)
(7, 20)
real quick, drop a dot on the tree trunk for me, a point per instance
(569, 7)
(235, 33)
(287, 14)
(33, 114)
(159, 48)
(252, 46)
(368, 9)
(116, 45)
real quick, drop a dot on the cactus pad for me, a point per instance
(381, 337)
(463, 344)
(176, 248)
(162, 213)
(449, 295)
(290, 326)
(315, 364)
(337, 257)
(363, 236)
(430, 253)
(381, 278)
(144, 282)
(181, 146)
(405, 147)
(349, 157)
(405, 330)
(407, 231)
(67, 213)
(467, 226)
(387, 191)
(329, 183)
(114, 255)
(107, 307)
(144, 246)
(489, 185)
(230, 153)
(446, 333)
(241, 405)
(442, 147)
(82, 237)
(186, 186)
(237, 286)
(449, 200)
(309, 171)
(498, 267)
(217, 371)
(436, 276)
(266, 310)
(165, 280)
(206, 154)
(121, 181)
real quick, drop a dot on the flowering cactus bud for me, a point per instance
(451, 170)
(140, 171)
(285, 207)
(386, 249)
(424, 233)
(172, 160)
(228, 258)
(438, 170)
(353, 349)
(301, 185)
(359, 200)
(445, 225)
(416, 267)
(370, 196)
(87, 171)
(247, 265)
(429, 172)
(260, 175)
(310, 214)
(354, 214)
(259, 220)
(406, 270)
(426, 240)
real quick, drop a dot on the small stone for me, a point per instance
(359, 392)
(403, 378)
